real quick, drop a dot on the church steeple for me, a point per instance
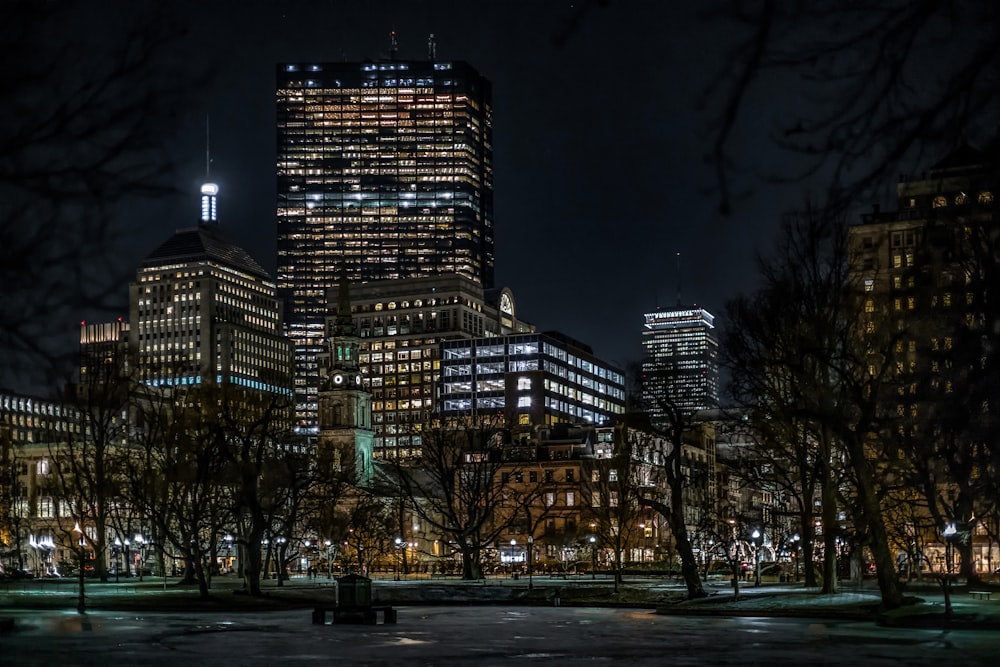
(345, 433)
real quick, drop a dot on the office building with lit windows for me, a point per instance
(680, 364)
(401, 325)
(534, 379)
(385, 172)
(202, 311)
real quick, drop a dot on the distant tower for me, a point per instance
(680, 364)
(202, 311)
(345, 406)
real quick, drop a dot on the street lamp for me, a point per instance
(329, 559)
(795, 553)
(399, 546)
(140, 545)
(593, 557)
(531, 559)
(118, 558)
(756, 556)
(126, 554)
(949, 534)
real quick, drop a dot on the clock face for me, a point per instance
(506, 305)
(338, 379)
(357, 380)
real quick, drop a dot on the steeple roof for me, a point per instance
(204, 243)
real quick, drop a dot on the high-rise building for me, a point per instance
(202, 311)
(680, 365)
(400, 325)
(385, 171)
(531, 379)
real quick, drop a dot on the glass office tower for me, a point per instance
(680, 365)
(385, 171)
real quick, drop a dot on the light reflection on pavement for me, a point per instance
(486, 635)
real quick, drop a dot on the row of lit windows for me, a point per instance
(960, 199)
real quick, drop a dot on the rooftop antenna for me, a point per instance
(393, 45)
(209, 190)
(678, 280)
(208, 145)
(431, 48)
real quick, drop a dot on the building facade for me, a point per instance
(680, 361)
(401, 324)
(385, 171)
(530, 379)
(924, 274)
(202, 311)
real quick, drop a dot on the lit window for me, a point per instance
(42, 467)
(570, 499)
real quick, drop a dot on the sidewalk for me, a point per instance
(664, 595)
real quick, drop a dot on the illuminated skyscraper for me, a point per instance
(680, 361)
(202, 311)
(385, 171)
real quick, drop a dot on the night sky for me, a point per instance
(599, 132)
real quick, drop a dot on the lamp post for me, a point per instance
(593, 557)
(280, 541)
(118, 558)
(229, 551)
(795, 553)
(949, 534)
(756, 556)
(126, 546)
(399, 546)
(513, 545)
(531, 560)
(329, 559)
(81, 600)
(143, 544)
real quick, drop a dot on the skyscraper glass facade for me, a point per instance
(385, 171)
(680, 361)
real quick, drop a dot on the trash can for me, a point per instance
(354, 591)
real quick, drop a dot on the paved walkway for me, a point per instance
(665, 594)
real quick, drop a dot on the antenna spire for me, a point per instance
(678, 280)
(431, 48)
(208, 146)
(393, 45)
(209, 190)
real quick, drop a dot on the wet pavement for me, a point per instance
(480, 635)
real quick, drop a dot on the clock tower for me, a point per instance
(345, 406)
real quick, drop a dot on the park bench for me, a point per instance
(981, 595)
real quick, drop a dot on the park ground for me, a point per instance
(925, 608)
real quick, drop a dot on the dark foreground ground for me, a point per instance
(492, 622)
(480, 635)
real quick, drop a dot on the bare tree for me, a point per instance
(84, 131)
(456, 488)
(617, 489)
(840, 380)
(877, 83)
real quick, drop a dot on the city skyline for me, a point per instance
(598, 162)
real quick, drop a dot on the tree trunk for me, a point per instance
(81, 602)
(808, 538)
(252, 565)
(885, 564)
